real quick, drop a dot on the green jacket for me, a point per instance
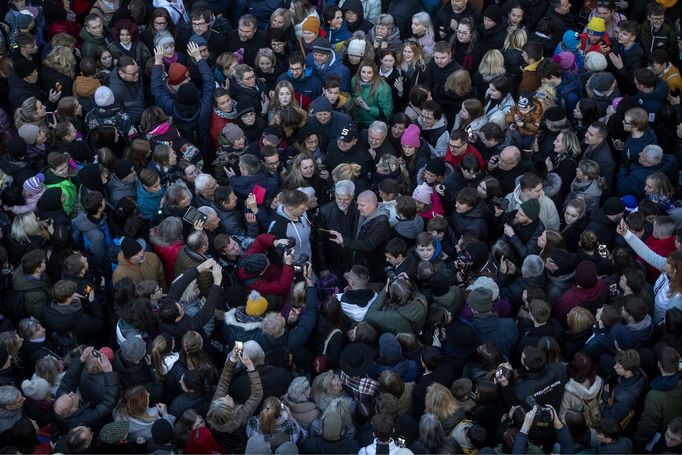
(37, 293)
(68, 189)
(660, 407)
(665, 38)
(381, 104)
(407, 318)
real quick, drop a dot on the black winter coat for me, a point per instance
(86, 324)
(49, 77)
(132, 374)
(327, 254)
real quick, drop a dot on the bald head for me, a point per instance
(65, 405)
(367, 203)
(509, 157)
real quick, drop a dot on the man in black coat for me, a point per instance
(23, 84)
(605, 221)
(598, 150)
(345, 150)
(247, 38)
(369, 242)
(69, 409)
(434, 372)
(441, 65)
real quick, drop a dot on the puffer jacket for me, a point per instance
(472, 222)
(576, 395)
(624, 397)
(380, 103)
(97, 239)
(240, 327)
(407, 318)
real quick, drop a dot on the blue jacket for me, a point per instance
(633, 146)
(601, 342)
(306, 89)
(406, 369)
(632, 180)
(202, 117)
(97, 239)
(337, 37)
(569, 92)
(653, 101)
(502, 332)
(148, 204)
(335, 66)
(262, 9)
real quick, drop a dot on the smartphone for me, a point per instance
(326, 233)
(51, 118)
(192, 215)
(57, 86)
(239, 346)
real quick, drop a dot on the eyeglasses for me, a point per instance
(160, 23)
(426, 117)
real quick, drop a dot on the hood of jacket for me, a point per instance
(24, 282)
(410, 228)
(85, 86)
(116, 184)
(380, 211)
(231, 319)
(585, 393)
(359, 297)
(570, 82)
(440, 123)
(85, 224)
(12, 167)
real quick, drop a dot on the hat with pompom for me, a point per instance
(256, 304)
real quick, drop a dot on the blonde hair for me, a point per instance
(591, 170)
(346, 171)
(9, 342)
(272, 409)
(515, 39)
(160, 348)
(220, 413)
(458, 82)
(133, 403)
(26, 225)
(418, 55)
(492, 64)
(571, 142)
(62, 60)
(284, 14)
(579, 319)
(439, 401)
(274, 103)
(49, 368)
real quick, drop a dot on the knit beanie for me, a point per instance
(188, 95)
(322, 46)
(256, 304)
(232, 132)
(555, 114)
(50, 200)
(436, 166)
(177, 73)
(586, 275)
(613, 206)
(16, 148)
(130, 247)
(34, 185)
(596, 25)
(565, 60)
(410, 136)
(389, 347)
(311, 24)
(133, 349)
(480, 300)
(36, 389)
(24, 68)
(162, 431)
(571, 40)
(163, 39)
(487, 283)
(198, 40)
(423, 193)
(601, 82)
(29, 132)
(595, 62)
(625, 338)
(113, 432)
(494, 13)
(531, 208)
(104, 96)
(123, 168)
(320, 104)
(356, 47)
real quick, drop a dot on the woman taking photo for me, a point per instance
(59, 71)
(498, 101)
(126, 42)
(372, 96)
(133, 407)
(587, 185)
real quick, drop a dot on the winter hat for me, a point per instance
(113, 432)
(29, 132)
(133, 349)
(123, 168)
(311, 24)
(586, 275)
(601, 82)
(104, 96)
(524, 100)
(130, 247)
(595, 61)
(439, 285)
(163, 39)
(320, 104)
(256, 304)
(322, 46)
(564, 260)
(51, 200)
(34, 185)
(36, 389)
(624, 337)
(356, 47)
(162, 431)
(198, 40)
(349, 133)
(494, 13)
(613, 206)
(23, 19)
(188, 95)
(232, 132)
(480, 300)
(486, 282)
(332, 425)
(534, 358)
(531, 208)
(436, 166)
(16, 148)
(555, 114)
(256, 445)
(410, 136)
(596, 26)
(255, 263)
(630, 202)
(286, 448)
(565, 60)
(24, 68)
(389, 347)
(177, 73)
(107, 352)
(423, 193)
(571, 40)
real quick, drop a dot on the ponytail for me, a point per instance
(272, 408)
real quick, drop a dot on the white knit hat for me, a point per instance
(357, 47)
(104, 96)
(595, 62)
(36, 389)
(423, 193)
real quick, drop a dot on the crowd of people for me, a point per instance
(353, 226)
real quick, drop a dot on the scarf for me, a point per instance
(126, 47)
(241, 316)
(171, 60)
(227, 115)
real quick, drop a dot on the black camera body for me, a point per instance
(390, 273)
(543, 414)
(299, 263)
(286, 248)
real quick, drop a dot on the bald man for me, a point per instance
(68, 408)
(506, 167)
(370, 237)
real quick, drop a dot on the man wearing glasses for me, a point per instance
(128, 89)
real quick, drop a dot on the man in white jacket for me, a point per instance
(530, 187)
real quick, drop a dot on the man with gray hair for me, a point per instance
(342, 215)
(374, 139)
(11, 402)
(205, 186)
(512, 286)
(632, 179)
(369, 239)
(195, 252)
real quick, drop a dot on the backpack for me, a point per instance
(592, 411)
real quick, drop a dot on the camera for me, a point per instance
(300, 263)
(543, 414)
(390, 273)
(286, 248)
(463, 262)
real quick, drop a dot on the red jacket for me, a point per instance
(201, 442)
(662, 247)
(575, 296)
(276, 280)
(456, 160)
(168, 255)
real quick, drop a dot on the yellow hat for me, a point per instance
(256, 304)
(596, 24)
